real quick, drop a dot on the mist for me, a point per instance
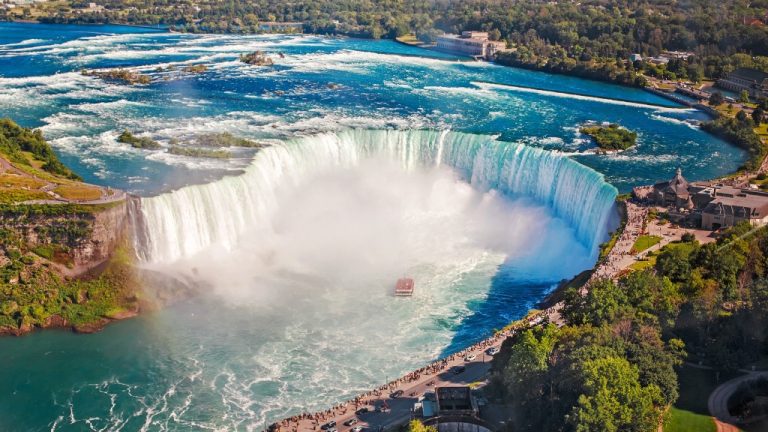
(353, 231)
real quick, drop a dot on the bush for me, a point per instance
(611, 137)
(15, 139)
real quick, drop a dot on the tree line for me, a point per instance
(613, 366)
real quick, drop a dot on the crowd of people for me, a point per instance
(635, 227)
(314, 421)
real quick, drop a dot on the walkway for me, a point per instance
(474, 361)
(108, 195)
(718, 401)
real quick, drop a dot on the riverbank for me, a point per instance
(621, 259)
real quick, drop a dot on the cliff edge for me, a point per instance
(65, 258)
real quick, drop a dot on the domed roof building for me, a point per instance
(673, 193)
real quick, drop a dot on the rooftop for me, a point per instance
(738, 201)
(454, 398)
(749, 74)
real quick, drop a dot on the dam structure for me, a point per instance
(185, 222)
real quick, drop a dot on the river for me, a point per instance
(383, 160)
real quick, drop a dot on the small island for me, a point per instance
(123, 76)
(138, 142)
(256, 58)
(225, 139)
(196, 69)
(208, 145)
(611, 137)
(199, 152)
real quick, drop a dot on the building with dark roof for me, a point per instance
(709, 205)
(455, 401)
(672, 193)
(752, 80)
(730, 206)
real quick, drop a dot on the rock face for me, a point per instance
(108, 228)
(79, 238)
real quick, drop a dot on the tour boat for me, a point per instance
(404, 287)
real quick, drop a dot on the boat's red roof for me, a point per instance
(404, 286)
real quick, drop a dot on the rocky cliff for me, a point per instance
(65, 265)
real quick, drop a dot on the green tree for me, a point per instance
(741, 116)
(744, 97)
(417, 426)
(603, 303)
(528, 361)
(758, 115)
(716, 98)
(613, 399)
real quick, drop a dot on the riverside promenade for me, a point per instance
(386, 411)
(474, 360)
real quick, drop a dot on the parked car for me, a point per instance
(470, 357)
(458, 369)
(350, 422)
(357, 429)
(492, 351)
(362, 410)
(328, 426)
(396, 394)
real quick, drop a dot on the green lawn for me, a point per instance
(642, 265)
(644, 242)
(685, 421)
(762, 130)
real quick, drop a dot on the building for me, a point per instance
(672, 193)
(452, 409)
(680, 55)
(281, 27)
(731, 206)
(471, 43)
(635, 57)
(710, 206)
(752, 80)
(753, 21)
(659, 60)
(455, 401)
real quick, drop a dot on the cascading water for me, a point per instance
(183, 223)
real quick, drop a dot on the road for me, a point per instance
(718, 401)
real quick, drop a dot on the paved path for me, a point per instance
(474, 360)
(108, 195)
(718, 401)
(619, 258)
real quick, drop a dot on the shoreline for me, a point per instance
(634, 217)
(56, 321)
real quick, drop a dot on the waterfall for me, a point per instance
(184, 222)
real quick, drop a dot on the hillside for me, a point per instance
(63, 258)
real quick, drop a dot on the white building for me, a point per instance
(471, 43)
